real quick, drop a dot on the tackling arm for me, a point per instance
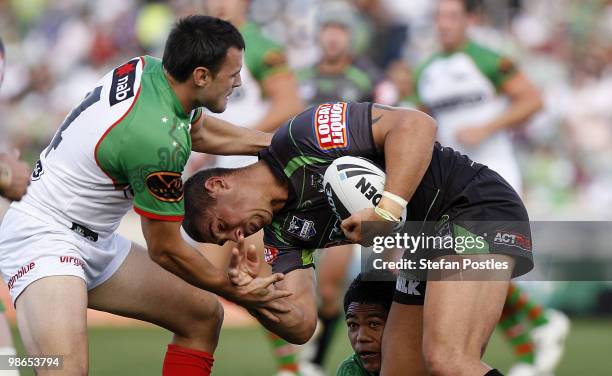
(168, 249)
(215, 136)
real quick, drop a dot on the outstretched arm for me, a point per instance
(215, 136)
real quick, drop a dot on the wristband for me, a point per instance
(6, 176)
(395, 198)
(385, 214)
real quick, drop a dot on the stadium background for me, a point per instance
(57, 49)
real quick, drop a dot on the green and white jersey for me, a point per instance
(125, 144)
(262, 57)
(461, 89)
(352, 366)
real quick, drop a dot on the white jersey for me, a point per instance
(461, 90)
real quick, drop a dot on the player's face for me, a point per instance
(452, 23)
(215, 94)
(335, 41)
(235, 213)
(227, 10)
(366, 323)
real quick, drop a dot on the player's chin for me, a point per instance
(371, 361)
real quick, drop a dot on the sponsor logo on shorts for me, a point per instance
(122, 87)
(407, 286)
(20, 273)
(270, 254)
(165, 186)
(330, 126)
(513, 240)
(302, 228)
(72, 260)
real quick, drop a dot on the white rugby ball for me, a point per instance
(353, 184)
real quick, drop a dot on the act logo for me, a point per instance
(270, 254)
(513, 240)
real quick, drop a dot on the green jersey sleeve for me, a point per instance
(263, 56)
(496, 67)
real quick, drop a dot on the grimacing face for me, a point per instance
(236, 213)
(215, 94)
(366, 323)
(452, 23)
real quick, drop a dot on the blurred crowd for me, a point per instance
(57, 49)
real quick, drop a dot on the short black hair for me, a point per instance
(198, 200)
(372, 287)
(199, 41)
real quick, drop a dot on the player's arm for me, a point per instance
(298, 324)
(168, 249)
(281, 88)
(407, 138)
(215, 136)
(525, 101)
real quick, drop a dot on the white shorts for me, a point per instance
(31, 249)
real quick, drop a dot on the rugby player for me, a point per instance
(267, 97)
(126, 145)
(477, 96)
(452, 323)
(366, 306)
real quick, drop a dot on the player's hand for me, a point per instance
(352, 225)
(17, 175)
(244, 264)
(261, 296)
(473, 136)
(243, 270)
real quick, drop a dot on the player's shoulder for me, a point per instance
(480, 51)
(351, 367)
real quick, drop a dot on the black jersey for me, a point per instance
(302, 150)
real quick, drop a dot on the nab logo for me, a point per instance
(407, 286)
(122, 87)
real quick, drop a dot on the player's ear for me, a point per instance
(215, 184)
(202, 76)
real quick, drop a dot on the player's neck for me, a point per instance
(336, 66)
(260, 178)
(182, 92)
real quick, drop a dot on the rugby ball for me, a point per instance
(353, 184)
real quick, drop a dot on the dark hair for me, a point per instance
(373, 287)
(199, 41)
(198, 200)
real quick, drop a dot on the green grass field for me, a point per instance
(140, 351)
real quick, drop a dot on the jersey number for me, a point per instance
(91, 98)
